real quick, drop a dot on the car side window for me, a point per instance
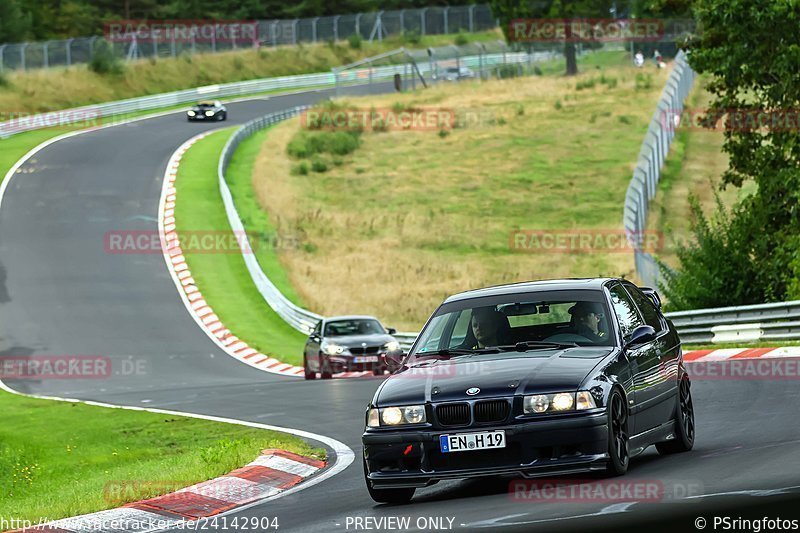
(627, 316)
(460, 329)
(646, 307)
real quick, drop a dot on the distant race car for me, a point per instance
(531, 379)
(209, 110)
(349, 343)
(458, 74)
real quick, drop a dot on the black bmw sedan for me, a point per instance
(349, 343)
(531, 379)
(207, 110)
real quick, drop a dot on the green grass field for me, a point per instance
(60, 459)
(415, 215)
(222, 277)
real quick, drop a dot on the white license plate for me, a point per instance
(467, 442)
(366, 359)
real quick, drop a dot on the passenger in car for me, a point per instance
(586, 320)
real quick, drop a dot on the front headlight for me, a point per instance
(558, 403)
(392, 346)
(209, 113)
(332, 349)
(396, 416)
(191, 113)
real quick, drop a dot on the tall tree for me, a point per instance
(750, 49)
(15, 24)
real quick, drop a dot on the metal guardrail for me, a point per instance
(297, 317)
(367, 75)
(276, 32)
(646, 175)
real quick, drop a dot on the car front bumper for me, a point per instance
(536, 448)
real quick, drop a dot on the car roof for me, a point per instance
(349, 317)
(533, 286)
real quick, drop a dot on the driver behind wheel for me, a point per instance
(587, 318)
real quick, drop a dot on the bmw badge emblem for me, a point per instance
(472, 391)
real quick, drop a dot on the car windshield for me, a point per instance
(452, 70)
(519, 324)
(359, 326)
(205, 104)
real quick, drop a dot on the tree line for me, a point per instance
(37, 20)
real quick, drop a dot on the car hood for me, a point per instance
(495, 375)
(355, 341)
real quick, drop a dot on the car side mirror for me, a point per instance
(641, 335)
(391, 331)
(394, 361)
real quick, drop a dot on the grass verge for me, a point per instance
(62, 459)
(414, 215)
(223, 277)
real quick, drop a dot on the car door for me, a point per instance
(665, 383)
(312, 347)
(643, 360)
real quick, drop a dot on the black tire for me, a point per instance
(325, 371)
(309, 374)
(618, 436)
(395, 496)
(684, 422)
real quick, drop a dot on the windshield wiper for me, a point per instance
(447, 353)
(537, 345)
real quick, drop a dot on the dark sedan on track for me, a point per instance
(349, 343)
(210, 110)
(531, 379)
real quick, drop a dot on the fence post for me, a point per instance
(294, 30)
(91, 47)
(46, 54)
(69, 52)
(22, 48)
(358, 24)
(402, 21)
(422, 20)
(273, 31)
(172, 47)
(336, 27)
(314, 29)
(2, 57)
(471, 13)
(446, 21)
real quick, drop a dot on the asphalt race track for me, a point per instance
(62, 294)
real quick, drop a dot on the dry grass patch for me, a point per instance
(412, 216)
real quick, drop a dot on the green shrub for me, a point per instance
(508, 71)
(643, 81)
(461, 39)
(307, 143)
(337, 161)
(104, 60)
(625, 119)
(411, 37)
(319, 165)
(443, 133)
(354, 41)
(520, 110)
(588, 83)
(4, 81)
(558, 105)
(537, 70)
(300, 169)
